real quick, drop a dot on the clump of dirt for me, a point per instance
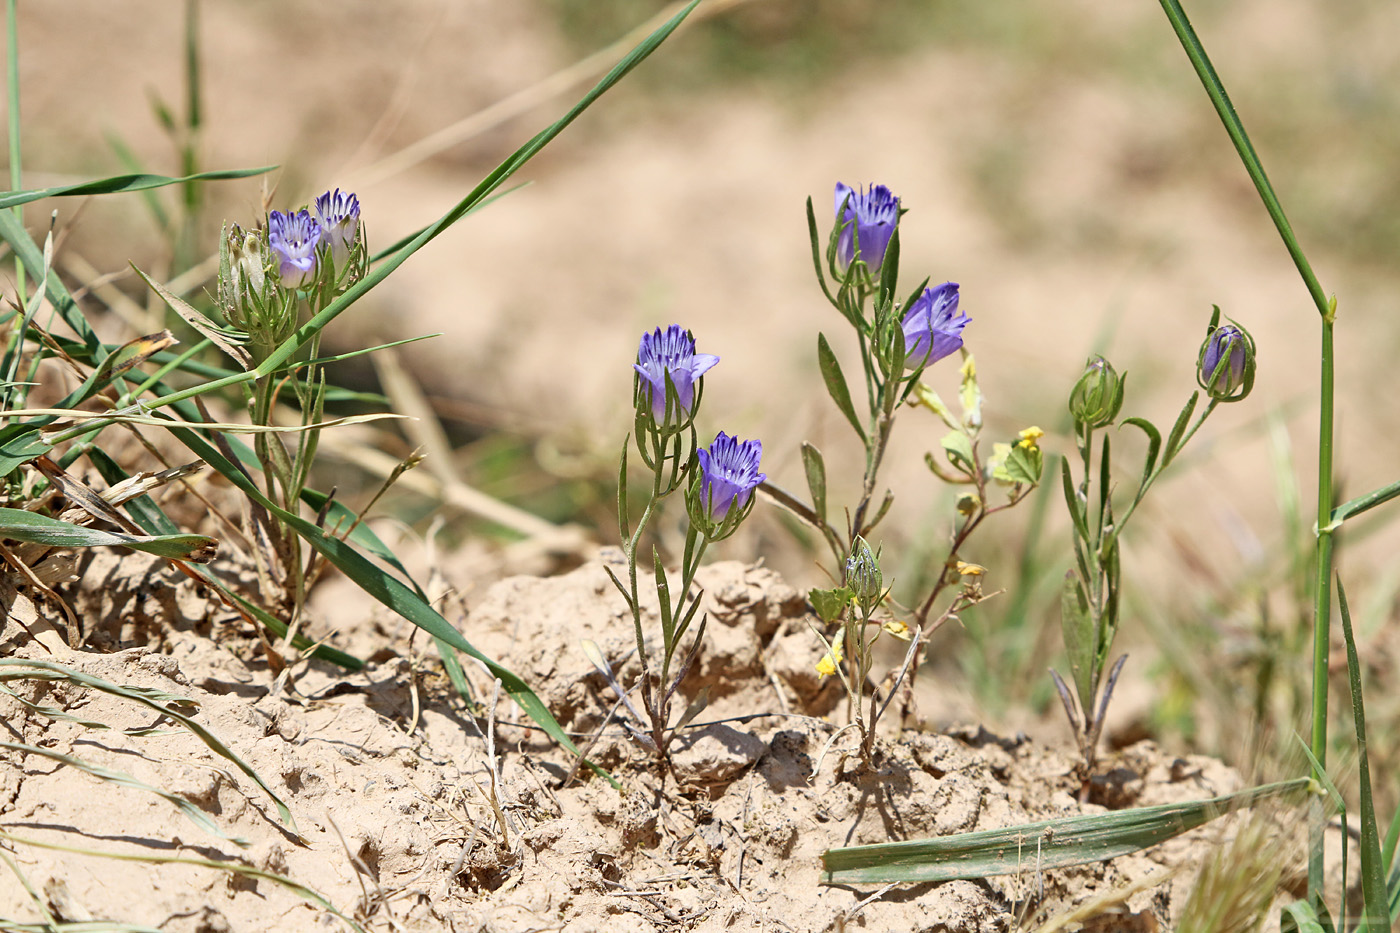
(416, 810)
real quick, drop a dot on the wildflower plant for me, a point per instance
(897, 341)
(718, 484)
(1090, 600)
(271, 278)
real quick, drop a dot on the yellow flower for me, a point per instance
(827, 665)
(970, 570)
(1030, 437)
(898, 629)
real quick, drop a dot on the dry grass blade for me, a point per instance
(24, 669)
(238, 868)
(121, 779)
(1047, 844)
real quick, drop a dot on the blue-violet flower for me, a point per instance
(338, 214)
(293, 238)
(933, 326)
(670, 353)
(869, 220)
(728, 474)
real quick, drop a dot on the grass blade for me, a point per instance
(1373, 886)
(40, 529)
(24, 669)
(121, 779)
(119, 183)
(1047, 844)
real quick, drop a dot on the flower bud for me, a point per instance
(1225, 366)
(1098, 395)
(863, 576)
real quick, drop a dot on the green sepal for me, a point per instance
(836, 384)
(889, 270)
(959, 451)
(830, 604)
(1024, 465)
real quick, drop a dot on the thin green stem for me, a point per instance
(16, 163)
(1322, 604)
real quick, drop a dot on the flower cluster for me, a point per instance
(263, 272)
(666, 392)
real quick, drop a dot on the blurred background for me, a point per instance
(1058, 160)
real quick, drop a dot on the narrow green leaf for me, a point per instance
(815, 468)
(836, 384)
(380, 585)
(1076, 512)
(1077, 629)
(1300, 917)
(1373, 887)
(1154, 446)
(145, 513)
(1179, 430)
(817, 251)
(1361, 504)
(1040, 846)
(40, 529)
(120, 183)
(20, 443)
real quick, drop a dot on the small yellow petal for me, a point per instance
(898, 629)
(1031, 436)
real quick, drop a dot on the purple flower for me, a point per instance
(338, 214)
(728, 475)
(933, 326)
(293, 238)
(671, 353)
(869, 219)
(1228, 343)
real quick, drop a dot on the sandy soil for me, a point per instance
(389, 778)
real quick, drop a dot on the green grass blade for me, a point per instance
(1373, 887)
(121, 779)
(24, 669)
(119, 183)
(145, 513)
(279, 358)
(381, 585)
(40, 529)
(1047, 844)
